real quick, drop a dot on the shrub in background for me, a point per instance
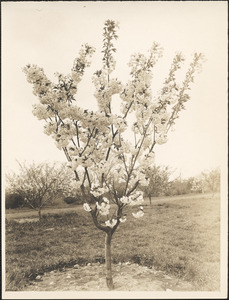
(70, 200)
(13, 201)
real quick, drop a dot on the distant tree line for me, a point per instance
(39, 185)
(161, 185)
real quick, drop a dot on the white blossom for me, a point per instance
(125, 200)
(104, 207)
(111, 223)
(138, 214)
(86, 207)
(122, 220)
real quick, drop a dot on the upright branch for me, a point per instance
(182, 92)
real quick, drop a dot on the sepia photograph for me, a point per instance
(114, 149)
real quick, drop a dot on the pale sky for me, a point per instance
(50, 34)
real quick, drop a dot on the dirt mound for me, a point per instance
(126, 276)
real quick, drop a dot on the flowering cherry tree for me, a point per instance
(96, 144)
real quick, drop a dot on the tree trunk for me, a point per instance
(109, 279)
(39, 214)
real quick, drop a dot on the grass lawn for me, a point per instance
(180, 237)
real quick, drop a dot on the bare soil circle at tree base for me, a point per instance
(126, 277)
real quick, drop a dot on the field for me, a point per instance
(178, 235)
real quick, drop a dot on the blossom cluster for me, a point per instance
(97, 191)
(104, 207)
(36, 76)
(109, 35)
(84, 60)
(87, 207)
(134, 199)
(111, 223)
(104, 90)
(139, 213)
